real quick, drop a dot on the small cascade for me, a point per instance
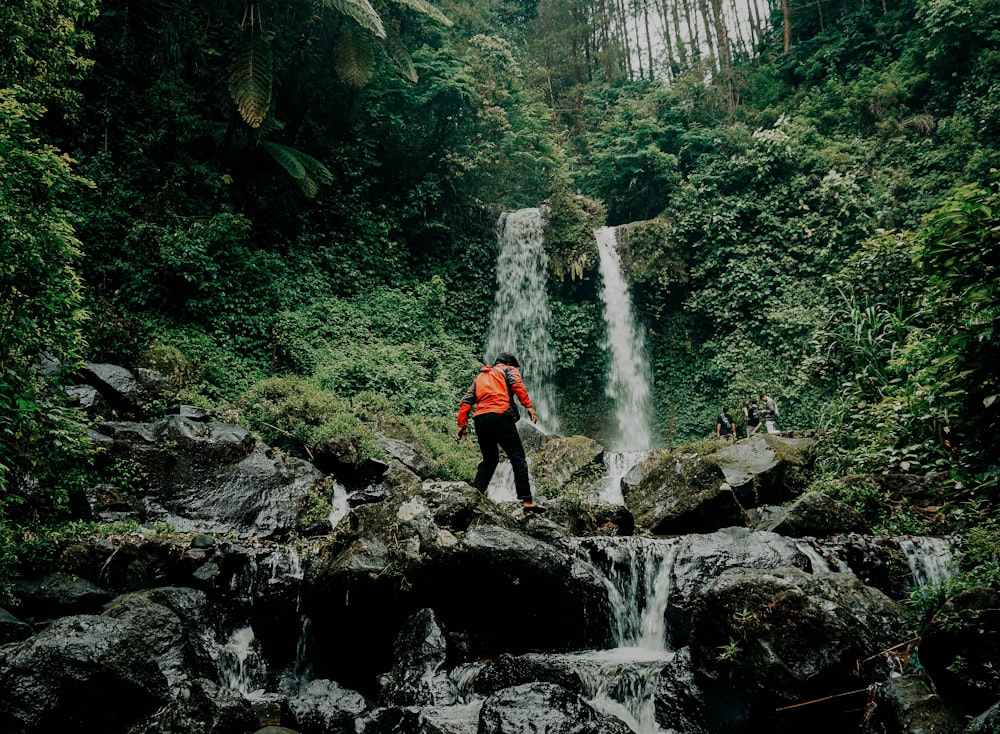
(617, 465)
(339, 506)
(930, 559)
(628, 383)
(623, 681)
(520, 320)
(240, 663)
(300, 672)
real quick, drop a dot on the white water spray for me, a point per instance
(520, 320)
(628, 373)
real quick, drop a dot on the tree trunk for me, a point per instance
(787, 15)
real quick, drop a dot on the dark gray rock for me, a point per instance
(816, 515)
(201, 706)
(417, 677)
(907, 705)
(213, 477)
(137, 394)
(326, 707)
(59, 595)
(12, 629)
(544, 707)
(987, 722)
(507, 671)
(768, 469)
(763, 640)
(682, 492)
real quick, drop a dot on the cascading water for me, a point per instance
(623, 680)
(628, 373)
(520, 320)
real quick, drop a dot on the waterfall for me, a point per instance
(623, 681)
(628, 375)
(930, 559)
(240, 663)
(520, 320)
(339, 506)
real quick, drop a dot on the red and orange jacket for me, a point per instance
(489, 393)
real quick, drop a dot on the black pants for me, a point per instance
(496, 431)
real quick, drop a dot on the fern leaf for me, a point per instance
(398, 52)
(425, 8)
(308, 172)
(251, 73)
(354, 58)
(361, 12)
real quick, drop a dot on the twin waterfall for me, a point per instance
(521, 318)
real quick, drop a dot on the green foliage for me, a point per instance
(295, 415)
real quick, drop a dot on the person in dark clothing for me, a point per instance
(492, 395)
(752, 413)
(725, 427)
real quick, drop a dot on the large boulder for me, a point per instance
(212, 477)
(816, 515)
(418, 677)
(768, 469)
(446, 547)
(58, 594)
(907, 704)
(544, 707)
(682, 492)
(111, 390)
(566, 462)
(201, 706)
(763, 641)
(324, 706)
(108, 671)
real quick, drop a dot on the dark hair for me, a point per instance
(507, 358)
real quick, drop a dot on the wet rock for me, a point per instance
(768, 469)
(59, 595)
(878, 562)
(84, 672)
(907, 704)
(138, 393)
(679, 701)
(212, 477)
(201, 706)
(562, 463)
(544, 707)
(323, 706)
(399, 720)
(986, 723)
(817, 515)
(417, 677)
(507, 671)
(12, 629)
(762, 640)
(682, 493)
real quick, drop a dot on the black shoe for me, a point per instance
(532, 507)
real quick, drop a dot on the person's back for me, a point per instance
(492, 395)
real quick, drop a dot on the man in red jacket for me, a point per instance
(492, 393)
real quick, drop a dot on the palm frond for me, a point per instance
(361, 12)
(354, 57)
(308, 172)
(251, 70)
(425, 8)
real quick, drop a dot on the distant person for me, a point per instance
(725, 427)
(769, 410)
(492, 394)
(752, 413)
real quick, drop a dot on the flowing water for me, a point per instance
(623, 681)
(520, 320)
(628, 381)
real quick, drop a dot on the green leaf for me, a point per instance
(425, 8)
(361, 12)
(354, 57)
(251, 72)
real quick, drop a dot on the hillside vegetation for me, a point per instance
(289, 210)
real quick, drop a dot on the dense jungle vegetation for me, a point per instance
(288, 208)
